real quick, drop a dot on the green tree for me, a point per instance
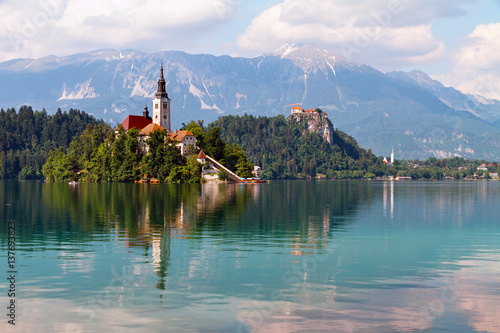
(222, 174)
(213, 145)
(58, 167)
(162, 156)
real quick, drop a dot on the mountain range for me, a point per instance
(417, 116)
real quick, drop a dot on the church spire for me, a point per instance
(161, 104)
(161, 92)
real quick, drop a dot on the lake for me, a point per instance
(288, 256)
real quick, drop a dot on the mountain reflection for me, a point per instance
(300, 215)
(358, 256)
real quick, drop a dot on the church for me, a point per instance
(159, 121)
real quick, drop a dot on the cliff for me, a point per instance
(317, 122)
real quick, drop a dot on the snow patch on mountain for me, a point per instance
(238, 98)
(143, 88)
(80, 91)
(200, 94)
(286, 49)
(308, 57)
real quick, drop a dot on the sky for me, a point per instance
(454, 41)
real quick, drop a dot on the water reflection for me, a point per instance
(285, 256)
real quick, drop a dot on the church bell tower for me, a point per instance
(161, 104)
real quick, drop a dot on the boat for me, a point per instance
(254, 180)
(144, 180)
(73, 182)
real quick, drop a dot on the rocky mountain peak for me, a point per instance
(309, 57)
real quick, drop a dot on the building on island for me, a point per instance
(159, 121)
(161, 104)
(184, 140)
(138, 122)
(144, 135)
(201, 158)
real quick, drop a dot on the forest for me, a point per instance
(73, 145)
(285, 150)
(27, 137)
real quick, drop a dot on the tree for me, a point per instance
(162, 155)
(222, 174)
(369, 175)
(213, 145)
(58, 167)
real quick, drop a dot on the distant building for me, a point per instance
(389, 160)
(298, 109)
(482, 167)
(257, 170)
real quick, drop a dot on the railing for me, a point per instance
(220, 166)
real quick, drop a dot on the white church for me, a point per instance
(160, 121)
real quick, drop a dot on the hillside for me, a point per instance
(286, 149)
(27, 137)
(379, 110)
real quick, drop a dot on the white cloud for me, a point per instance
(477, 63)
(384, 33)
(34, 28)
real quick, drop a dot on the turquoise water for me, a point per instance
(278, 257)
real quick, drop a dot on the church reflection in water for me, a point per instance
(298, 217)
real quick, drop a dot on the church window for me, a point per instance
(164, 105)
(164, 117)
(156, 106)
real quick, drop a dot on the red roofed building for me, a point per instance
(150, 128)
(184, 139)
(144, 135)
(201, 158)
(160, 121)
(138, 122)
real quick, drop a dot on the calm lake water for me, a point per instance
(279, 257)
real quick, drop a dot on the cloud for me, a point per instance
(476, 68)
(383, 33)
(35, 28)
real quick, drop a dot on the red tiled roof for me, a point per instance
(201, 155)
(150, 128)
(180, 135)
(138, 122)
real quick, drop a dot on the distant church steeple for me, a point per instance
(161, 104)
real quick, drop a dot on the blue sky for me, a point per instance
(454, 41)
